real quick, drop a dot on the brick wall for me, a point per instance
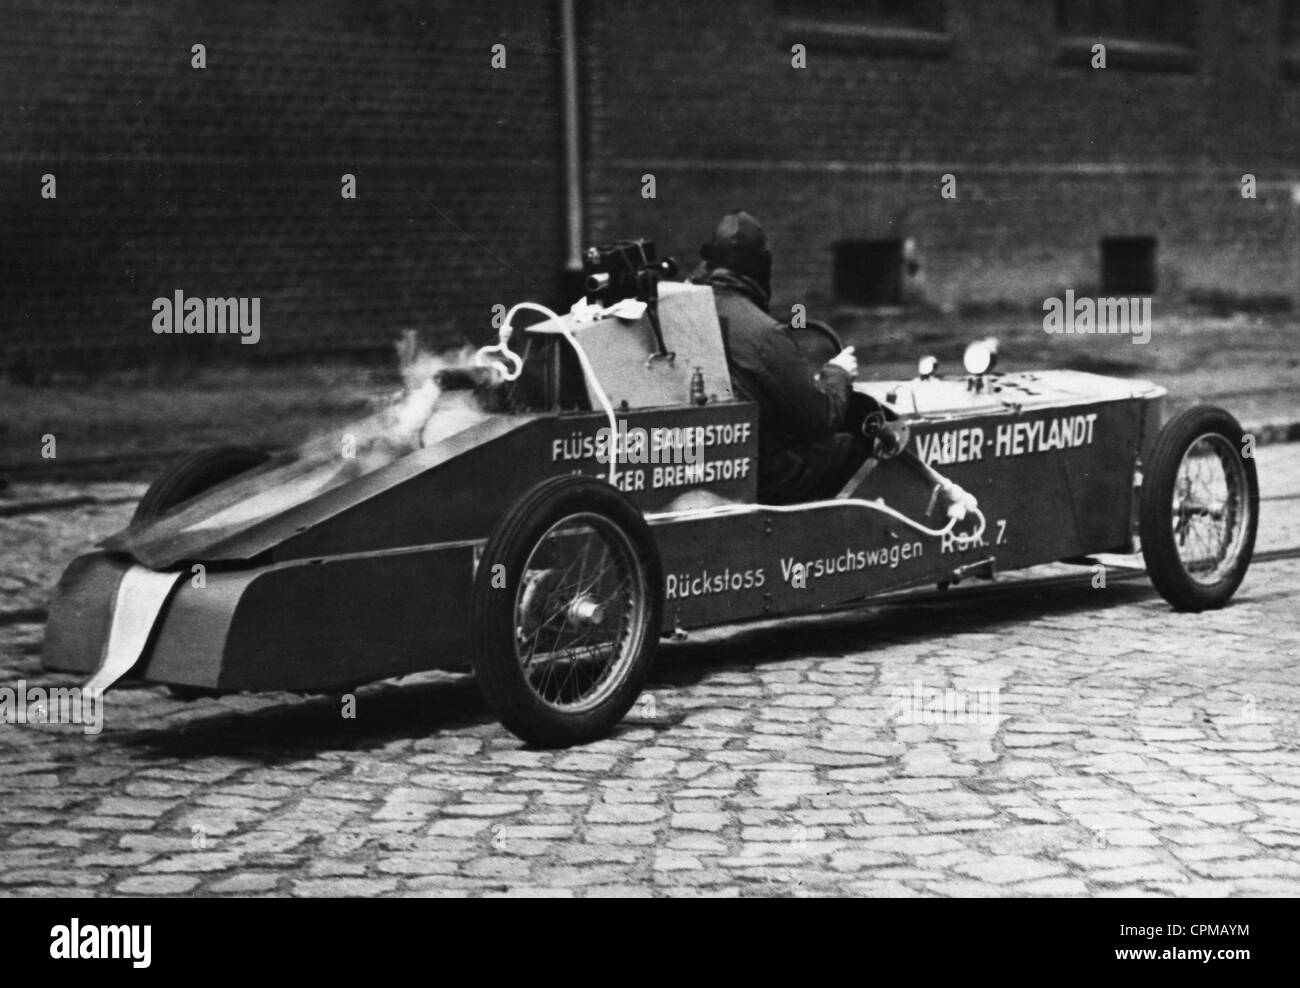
(1049, 154)
(225, 181)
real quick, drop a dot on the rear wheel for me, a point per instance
(567, 609)
(188, 478)
(1199, 509)
(198, 472)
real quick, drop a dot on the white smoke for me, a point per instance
(422, 413)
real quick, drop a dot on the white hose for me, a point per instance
(508, 363)
(503, 349)
(880, 506)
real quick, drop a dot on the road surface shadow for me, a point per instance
(393, 711)
(301, 727)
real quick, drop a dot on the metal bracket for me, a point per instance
(983, 568)
(648, 283)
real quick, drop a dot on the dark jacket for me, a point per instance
(799, 405)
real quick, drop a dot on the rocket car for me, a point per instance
(609, 499)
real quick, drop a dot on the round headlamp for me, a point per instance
(981, 356)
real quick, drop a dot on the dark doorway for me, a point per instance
(869, 272)
(1128, 265)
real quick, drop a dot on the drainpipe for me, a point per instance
(571, 278)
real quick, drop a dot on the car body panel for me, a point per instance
(311, 572)
(297, 620)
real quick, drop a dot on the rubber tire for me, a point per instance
(190, 477)
(1155, 510)
(196, 473)
(492, 618)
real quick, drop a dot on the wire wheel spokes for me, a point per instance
(580, 612)
(1209, 508)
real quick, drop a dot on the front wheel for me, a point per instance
(567, 607)
(1199, 509)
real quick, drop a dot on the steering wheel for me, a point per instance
(817, 341)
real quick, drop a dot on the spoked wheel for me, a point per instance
(1199, 510)
(567, 608)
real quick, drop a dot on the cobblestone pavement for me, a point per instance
(1106, 746)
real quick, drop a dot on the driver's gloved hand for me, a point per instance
(846, 360)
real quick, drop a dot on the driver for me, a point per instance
(806, 449)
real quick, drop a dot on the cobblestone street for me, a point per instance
(1061, 741)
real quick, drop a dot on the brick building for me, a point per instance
(836, 121)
